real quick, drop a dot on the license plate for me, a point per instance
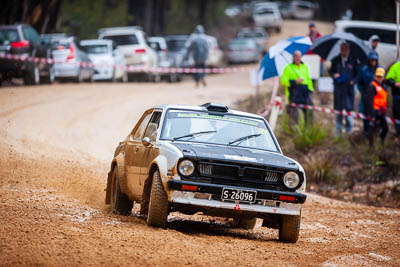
(238, 195)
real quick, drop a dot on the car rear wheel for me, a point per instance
(120, 202)
(50, 77)
(124, 77)
(289, 228)
(31, 76)
(80, 77)
(247, 224)
(157, 213)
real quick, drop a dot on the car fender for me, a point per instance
(119, 161)
(161, 163)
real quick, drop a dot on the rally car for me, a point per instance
(207, 159)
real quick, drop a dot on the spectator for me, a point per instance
(198, 48)
(376, 102)
(298, 86)
(344, 72)
(393, 79)
(374, 41)
(365, 77)
(314, 35)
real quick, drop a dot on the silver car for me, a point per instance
(258, 34)
(207, 159)
(71, 61)
(244, 50)
(109, 62)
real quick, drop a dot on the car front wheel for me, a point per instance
(289, 228)
(158, 205)
(120, 202)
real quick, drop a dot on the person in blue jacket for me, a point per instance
(365, 77)
(344, 71)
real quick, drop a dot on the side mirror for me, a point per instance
(146, 141)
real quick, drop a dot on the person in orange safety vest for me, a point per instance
(376, 106)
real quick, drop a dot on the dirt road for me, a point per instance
(56, 143)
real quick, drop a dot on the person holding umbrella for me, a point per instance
(298, 86)
(344, 71)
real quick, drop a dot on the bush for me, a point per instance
(321, 168)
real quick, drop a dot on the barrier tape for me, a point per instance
(129, 68)
(342, 112)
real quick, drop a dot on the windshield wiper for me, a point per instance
(192, 135)
(241, 139)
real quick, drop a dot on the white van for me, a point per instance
(365, 29)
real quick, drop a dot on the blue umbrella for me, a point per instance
(281, 54)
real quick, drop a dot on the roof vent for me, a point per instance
(215, 107)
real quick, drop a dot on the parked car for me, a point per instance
(365, 29)
(177, 50)
(23, 40)
(244, 50)
(258, 34)
(159, 44)
(284, 8)
(215, 54)
(302, 9)
(134, 45)
(109, 62)
(207, 159)
(71, 61)
(267, 15)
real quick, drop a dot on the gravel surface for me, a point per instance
(56, 143)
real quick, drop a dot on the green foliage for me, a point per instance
(84, 18)
(304, 136)
(321, 168)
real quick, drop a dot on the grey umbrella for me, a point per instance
(327, 46)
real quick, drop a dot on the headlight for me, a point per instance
(291, 180)
(186, 167)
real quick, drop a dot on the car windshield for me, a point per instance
(230, 130)
(8, 36)
(96, 49)
(176, 45)
(245, 43)
(129, 39)
(264, 11)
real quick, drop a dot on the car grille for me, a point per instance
(237, 175)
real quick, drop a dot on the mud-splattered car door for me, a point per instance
(148, 151)
(132, 157)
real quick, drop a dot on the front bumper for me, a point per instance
(268, 201)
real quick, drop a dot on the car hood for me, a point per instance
(236, 154)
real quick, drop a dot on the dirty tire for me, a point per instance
(158, 205)
(289, 228)
(120, 203)
(247, 224)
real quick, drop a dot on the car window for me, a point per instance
(8, 36)
(175, 45)
(386, 36)
(151, 130)
(126, 39)
(265, 11)
(221, 130)
(142, 127)
(31, 35)
(96, 49)
(155, 45)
